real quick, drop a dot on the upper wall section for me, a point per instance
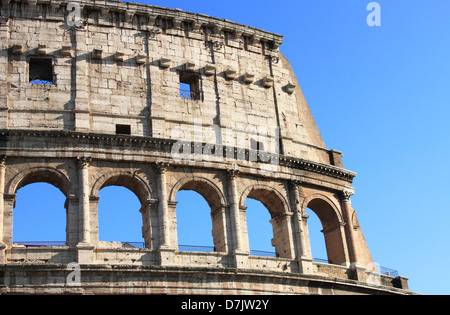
(113, 67)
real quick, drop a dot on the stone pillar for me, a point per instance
(84, 247)
(347, 213)
(4, 50)
(240, 255)
(148, 226)
(304, 257)
(166, 250)
(282, 238)
(81, 106)
(220, 235)
(2, 208)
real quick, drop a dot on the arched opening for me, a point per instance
(119, 217)
(276, 206)
(194, 224)
(259, 229)
(40, 217)
(200, 204)
(316, 237)
(124, 213)
(332, 230)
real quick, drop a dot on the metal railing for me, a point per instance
(41, 244)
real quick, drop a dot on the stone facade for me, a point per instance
(108, 109)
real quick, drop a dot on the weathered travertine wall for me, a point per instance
(111, 112)
(123, 66)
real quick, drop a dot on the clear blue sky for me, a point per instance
(379, 94)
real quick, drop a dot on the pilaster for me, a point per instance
(81, 106)
(347, 213)
(240, 255)
(166, 250)
(84, 247)
(4, 71)
(2, 208)
(304, 257)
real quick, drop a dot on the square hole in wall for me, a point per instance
(189, 86)
(123, 130)
(40, 70)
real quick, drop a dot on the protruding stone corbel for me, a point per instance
(42, 49)
(249, 77)
(189, 66)
(141, 59)
(210, 70)
(268, 82)
(17, 49)
(119, 56)
(66, 51)
(230, 74)
(129, 15)
(290, 88)
(165, 63)
(104, 12)
(177, 23)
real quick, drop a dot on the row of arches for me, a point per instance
(40, 218)
(199, 213)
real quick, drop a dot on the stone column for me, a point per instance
(2, 208)
(166, 251)
(85, 248)
(304, 257)
(347, 213)
(240, 255)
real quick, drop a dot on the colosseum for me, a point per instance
(107, 93)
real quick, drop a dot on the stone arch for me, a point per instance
(40, 174)
(142, 190)
(270, 197)
(333, 224)
(205, 187)
(126, 179)
(33, 175)
(216, 201)
(278, 207)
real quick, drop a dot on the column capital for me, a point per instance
(232, 173)
(345, 195)
(84, 161)
(161, 167)
(294, 183)
(3, 159)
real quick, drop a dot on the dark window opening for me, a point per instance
(123, 129)
(41, 71)
(190, 86)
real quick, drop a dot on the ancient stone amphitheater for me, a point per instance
(105, 93)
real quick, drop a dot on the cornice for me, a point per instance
(165, 145)
(177, 16)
